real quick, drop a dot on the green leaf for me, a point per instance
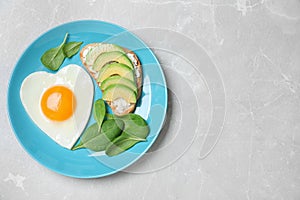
(99, 111)
(71, 48)
(110, 130)
(91, 132)
(135, 125)
(116, 134)
(110, 116)
(97, 141)
(121, 144)
(110, 127)
(54, 57)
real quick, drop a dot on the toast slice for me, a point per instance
(119, 107)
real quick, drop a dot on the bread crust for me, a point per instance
(139, 80)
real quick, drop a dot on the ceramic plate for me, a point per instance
(84, 163)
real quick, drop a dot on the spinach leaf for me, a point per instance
(54, 57)
(71, 48)
(110, 126)
(99, 111)
(135, 125)
(114, 135)
(91, 132)
(97, 141)
(110, 130)
(121, 144)
(110, 116)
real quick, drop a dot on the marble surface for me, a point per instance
(232, 68)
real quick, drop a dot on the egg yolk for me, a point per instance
(58, 103)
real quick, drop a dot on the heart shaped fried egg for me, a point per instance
(59, 104)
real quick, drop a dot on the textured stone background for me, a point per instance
(254, 47)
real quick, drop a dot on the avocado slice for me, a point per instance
(116, 91)
(112, 56)
(94, 52)
(116, 79)
(115, 69)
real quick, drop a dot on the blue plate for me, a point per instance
(84, 163)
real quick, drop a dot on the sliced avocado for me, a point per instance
(115, 69)
(116, 91)
(116, 79)
(112, 56)
(94, 52)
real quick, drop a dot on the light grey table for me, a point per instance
(232, 68)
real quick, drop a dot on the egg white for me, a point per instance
(66, 132)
